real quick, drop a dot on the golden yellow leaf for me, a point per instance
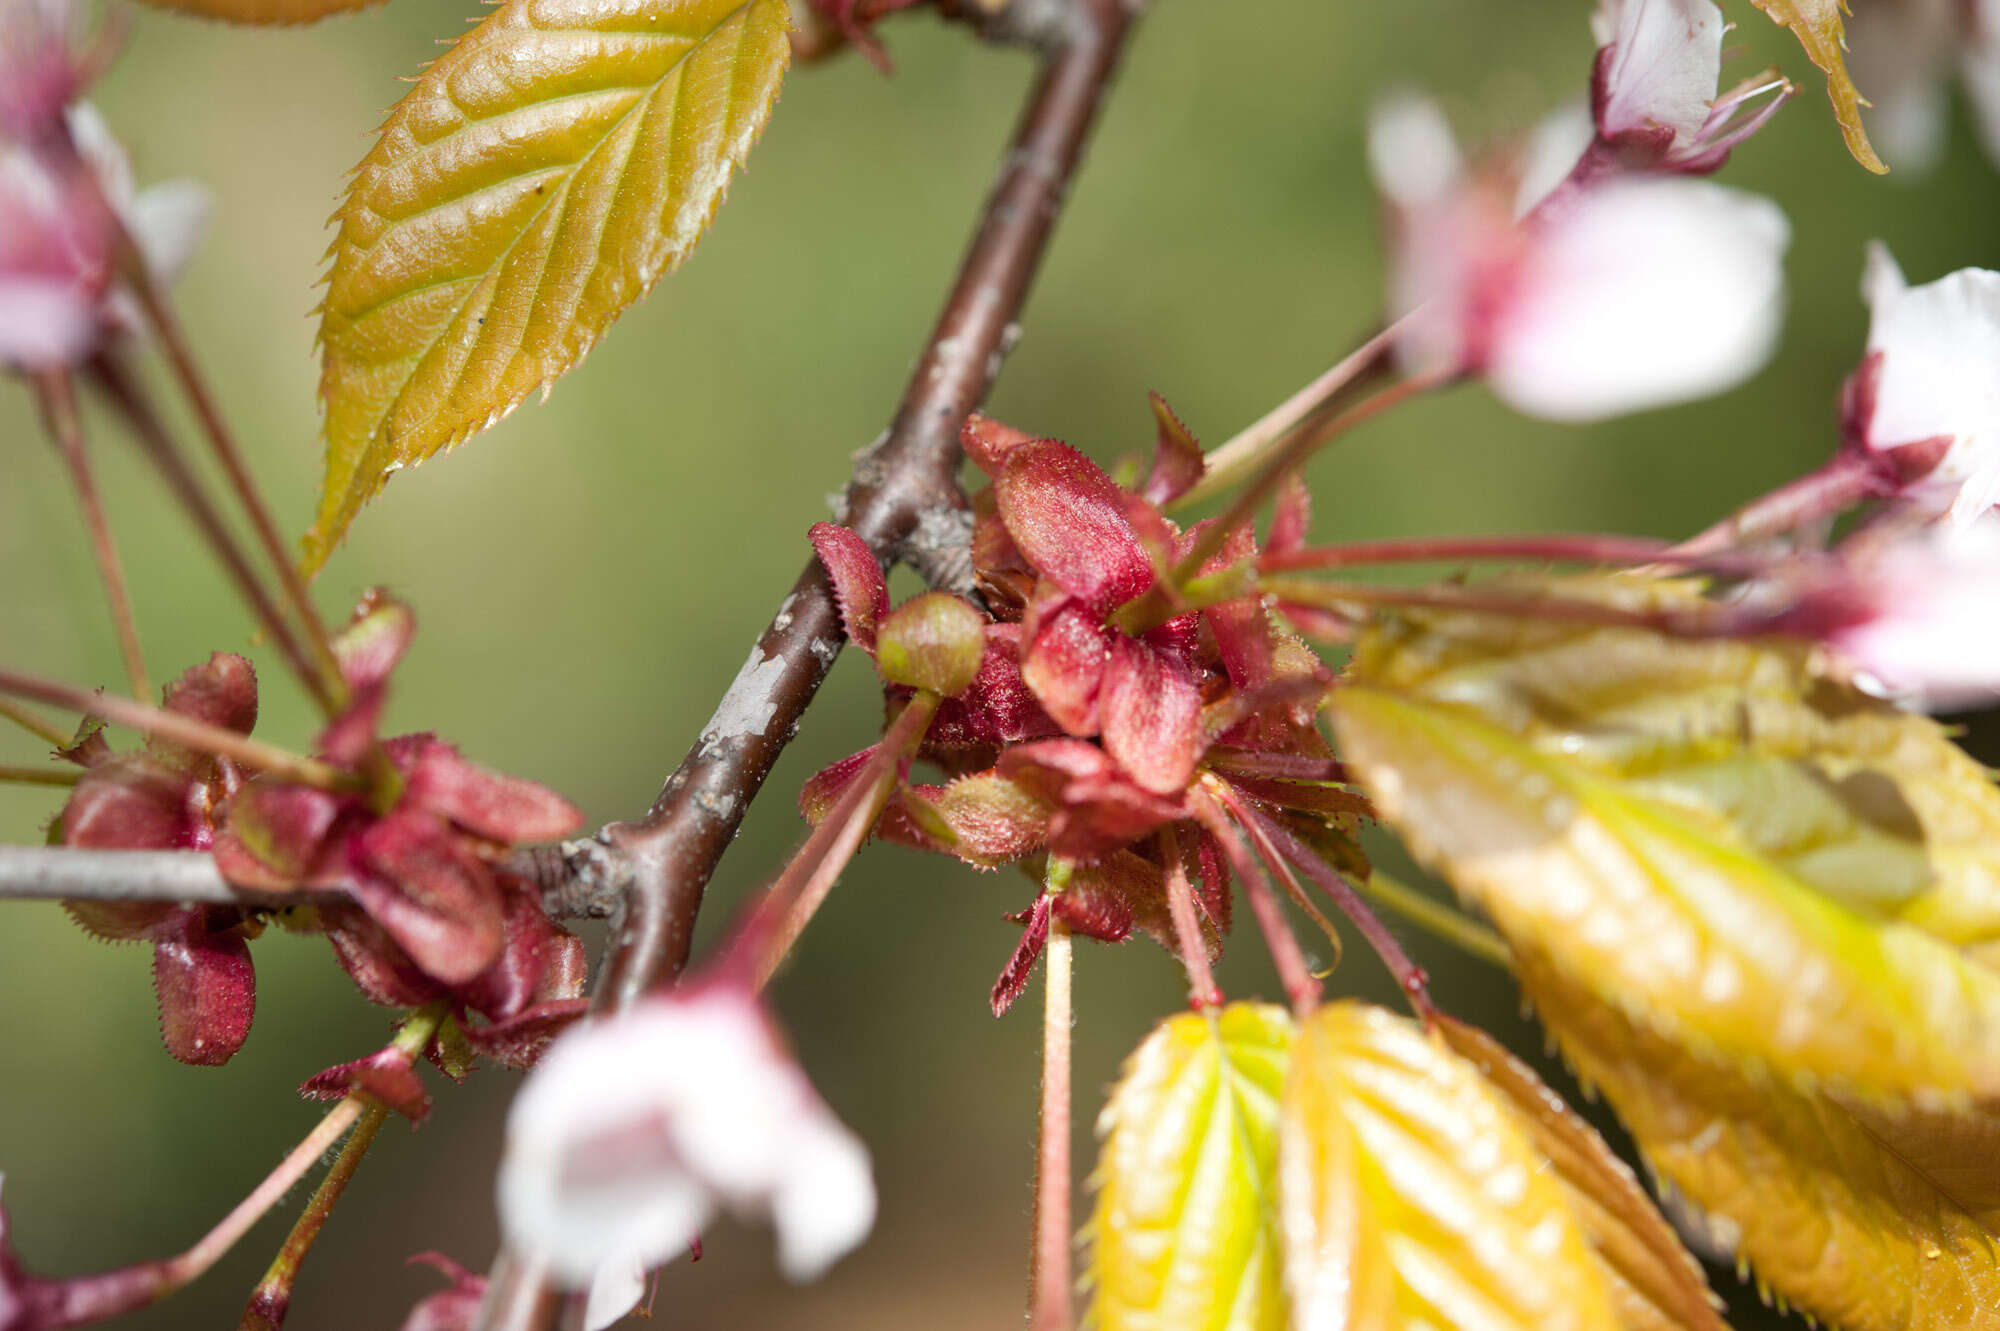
(1411, 1197)
(1755, 862)
(539, 178)
(1818, 27)
(1184, 1233)
(263, 11)
(1654, 1282)
(1868, 1219)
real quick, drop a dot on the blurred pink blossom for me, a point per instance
(1903, 54)
(59, 216)
(632, 1132)
(1638, 292)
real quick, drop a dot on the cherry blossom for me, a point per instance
(60, 217)
(1930, 388)
(633, 1132)
(1638, 292)
(1915, 612)
(1655, 88)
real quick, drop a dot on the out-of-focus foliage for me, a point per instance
(1185, 1230)
(1412, 1197)
(1753, 904)
(540, 177)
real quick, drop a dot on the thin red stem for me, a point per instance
(1241, 809)
(1713, 620)
(1050, 1279)
(1202, 991)
(153, 439)
(272, 1298)
(57, 395)
(1553, 547)
(159, 313)
(1300, 985)
(216, 740)
(1846, 479)
(1409, 976)
(800, 889)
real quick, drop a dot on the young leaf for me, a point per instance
(1654, 1282)
(1761, 864)
(263, 11)
(1185, 1230)
(1411, 1197)
(539, 178)
(1868, 1220)
(1817, 25)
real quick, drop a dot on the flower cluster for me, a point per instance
(1130, 692)
(414, 839)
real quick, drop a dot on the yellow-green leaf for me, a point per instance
(263, 11)
(1867, 1219)
(1757, 862)
(1818, 27)
(1411, 1197)
(1184, 1234)
(1654, 1282)
(539, 178)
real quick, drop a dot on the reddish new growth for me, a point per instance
(1145, 728)
(415, 841)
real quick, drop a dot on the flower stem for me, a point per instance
(806, 880)
(1409, 976)
(40, 776)
(1555, 547)
(272, 1298)
(1846, 478)
(159, 313)
(1049, 1276)
(1242, 811)
(1230, 462)
(57, 396)
(1300, 985)
(129, 398)
(1202, 992)
(216, 740)
(1710, 621)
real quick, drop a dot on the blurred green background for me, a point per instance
(590, 573)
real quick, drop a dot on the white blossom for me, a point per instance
(1635, 292)
(632, 1132)
(1937, 378)
(1662, 63)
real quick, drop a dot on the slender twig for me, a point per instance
(1049, 1278)
(64, 873)
(128, 396)
(662, 862)
(33, 724)
(166, 325)
(217, 740)
(272, 1298)
(57, 395)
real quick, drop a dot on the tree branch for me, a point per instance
(57, 873)
(660, 864)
